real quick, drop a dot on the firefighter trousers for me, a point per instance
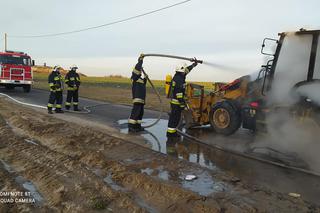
(136, 115)
(174, 119)
(72, 98)
(55, 98)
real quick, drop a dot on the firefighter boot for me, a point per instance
(139, 128)
(58, 110)
(67, 107)
(50, 111)
(133, 128)
(75, 108)
(173, 135)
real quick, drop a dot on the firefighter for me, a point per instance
(138, 97)
(55, 83)
(72, 79)
(177, 91)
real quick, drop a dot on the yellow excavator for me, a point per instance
(288, 80)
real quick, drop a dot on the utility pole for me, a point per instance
(5, 42)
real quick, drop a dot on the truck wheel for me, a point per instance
(225, 118)
(26, 88)
(9, 87)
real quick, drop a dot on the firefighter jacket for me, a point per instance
(138, 84)
(178, 86)
(55, 81)
(72, 79)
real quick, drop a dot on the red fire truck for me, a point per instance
(15, 70)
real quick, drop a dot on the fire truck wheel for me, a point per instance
(225, 118)
(9, 87)
(26, 88)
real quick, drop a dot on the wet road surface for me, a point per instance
(249, 171)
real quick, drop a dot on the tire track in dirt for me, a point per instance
(65, 184)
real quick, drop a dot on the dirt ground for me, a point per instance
(74, 167)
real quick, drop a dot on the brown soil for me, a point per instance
(78, 168)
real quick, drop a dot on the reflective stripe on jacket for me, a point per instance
(55, 81)
(138, 84)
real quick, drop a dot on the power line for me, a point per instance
(102, 25)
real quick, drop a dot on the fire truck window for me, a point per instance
(15, 60)
(316, 74)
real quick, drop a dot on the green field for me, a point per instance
(110, 81)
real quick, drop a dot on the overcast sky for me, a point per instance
(226, 32)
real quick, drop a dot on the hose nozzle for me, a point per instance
(196, 60)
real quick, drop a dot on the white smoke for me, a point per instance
(311, 91)
(288, 132)
(292, 67)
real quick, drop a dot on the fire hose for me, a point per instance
(154, 88)
(86, 108)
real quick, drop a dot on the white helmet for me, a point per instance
(56, 68)
(181, 68)
(74, 67)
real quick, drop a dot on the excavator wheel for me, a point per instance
(225, 117)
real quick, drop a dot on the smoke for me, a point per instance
(310, 91)
(287, 131)
(294, 137)
(291, 68)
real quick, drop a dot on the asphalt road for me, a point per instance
(107, 113)
(250, 171)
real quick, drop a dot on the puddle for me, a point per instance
(164, 175)
(148, 171)
(112, 184)
(156, 137)
(31, 141)
(6, 167)
(203, 185)
(26, 184)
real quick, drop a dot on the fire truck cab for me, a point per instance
(15, 70)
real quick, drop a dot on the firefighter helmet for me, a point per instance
(181, 68)
(74, 67)
(56, 68)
